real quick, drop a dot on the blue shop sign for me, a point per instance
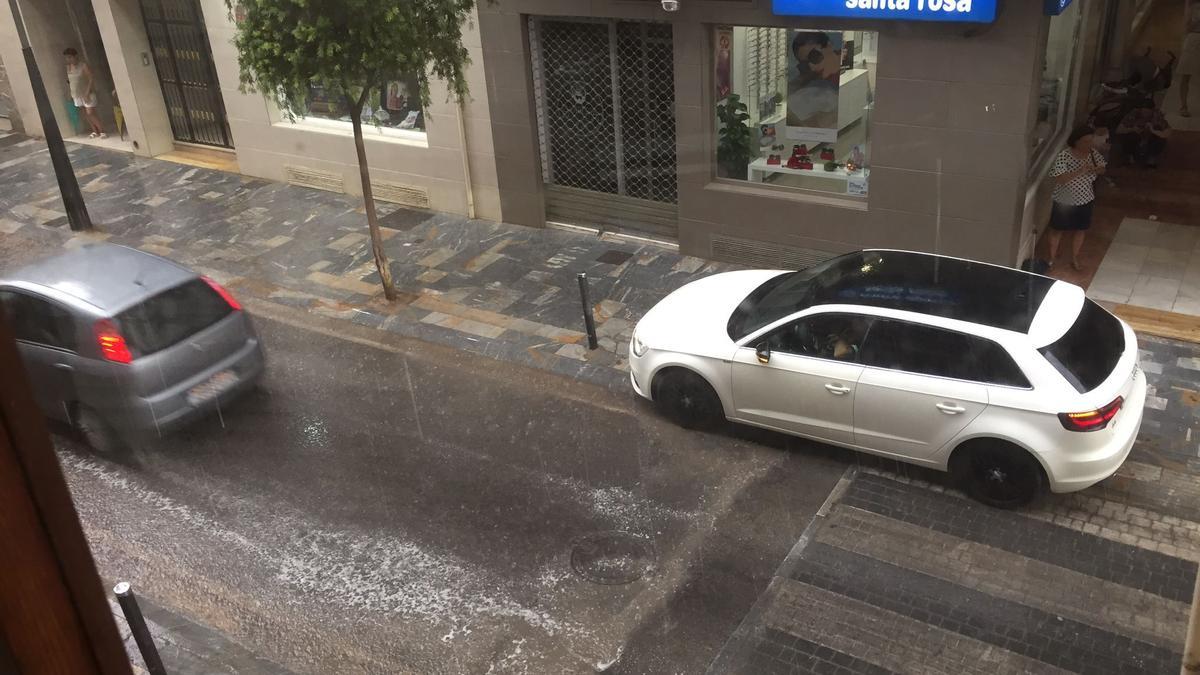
(1056, 7)
(959, 11)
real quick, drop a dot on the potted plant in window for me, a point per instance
(735, 144)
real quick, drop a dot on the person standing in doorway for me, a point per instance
(1189, 61)
(1074, 173)
(83, 91)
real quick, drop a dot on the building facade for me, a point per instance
(919, 134)
(744, 130)
(170, 68)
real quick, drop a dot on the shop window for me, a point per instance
(395, 104)
(1058, 75)
(793, 107)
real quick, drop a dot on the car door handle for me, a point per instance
(837, 389)
(64, 367)
(951, 409)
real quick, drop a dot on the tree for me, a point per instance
(350, 47)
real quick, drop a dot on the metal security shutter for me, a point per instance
(605, 93)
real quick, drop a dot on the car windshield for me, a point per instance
(1087, 354)
(171, 316)
(789, 293)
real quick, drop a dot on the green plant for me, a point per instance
(349, 47)
(735, 145)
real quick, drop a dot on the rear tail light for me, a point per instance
(225, 295)
(112, 344)
(1093, 420)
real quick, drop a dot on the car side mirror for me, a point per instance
(763, 352)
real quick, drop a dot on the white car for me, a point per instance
(1013, 382)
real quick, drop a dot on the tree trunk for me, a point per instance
(381, 261)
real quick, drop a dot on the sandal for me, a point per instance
(1076, 266)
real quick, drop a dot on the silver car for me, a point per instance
(125, 345)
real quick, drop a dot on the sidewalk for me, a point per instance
(898, 574)
(503, 291)
(187, 648)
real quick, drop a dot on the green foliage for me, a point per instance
(348, 45)
(735, 147)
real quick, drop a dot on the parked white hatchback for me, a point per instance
(1013, 382)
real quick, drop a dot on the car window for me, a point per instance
(39, 321)
(1089, 351)
(914, 348)
(826, 336)
(172, 316)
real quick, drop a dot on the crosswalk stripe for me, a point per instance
(887, 639)
(1051, 588)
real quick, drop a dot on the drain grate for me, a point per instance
(613, 558)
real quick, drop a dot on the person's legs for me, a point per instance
(93, 119)
(1076, 247)
(1053, 236)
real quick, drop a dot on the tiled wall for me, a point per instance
(966, 100)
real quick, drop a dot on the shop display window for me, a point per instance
(1058, 74)
(793, 107)
(395, 104)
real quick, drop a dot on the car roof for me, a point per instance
(106, 276)
(935, 285)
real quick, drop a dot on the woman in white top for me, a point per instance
(83, 91)
(1074, 173)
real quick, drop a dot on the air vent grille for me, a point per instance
(315, 178)
(408, 195)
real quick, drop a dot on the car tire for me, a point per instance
(100, 435)
(688, 399)
(1000, 475)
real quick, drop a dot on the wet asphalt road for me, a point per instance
(397, 506)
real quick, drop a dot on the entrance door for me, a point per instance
(605, 94)
(185, 71)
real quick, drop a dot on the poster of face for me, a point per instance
(814, 76)
(724, 57)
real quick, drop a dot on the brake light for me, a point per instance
(225, 295)
(112, 344)
(1093, 420)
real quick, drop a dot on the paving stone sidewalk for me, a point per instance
(504, 291)
(900, 574)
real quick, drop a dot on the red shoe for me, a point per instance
(794, 162)
(827, 154)
(773, 160)
(806, 163)
(802, 149)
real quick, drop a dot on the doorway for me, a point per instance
(183, 59)
(605, 94)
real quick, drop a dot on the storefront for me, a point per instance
(777, 133)
(170, 68)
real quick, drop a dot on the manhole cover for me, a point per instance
(612, 558)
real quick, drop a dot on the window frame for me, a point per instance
(69, 330)
(750, 188)
(966, 335)
(794, 319)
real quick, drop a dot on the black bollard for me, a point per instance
(137, 626)
(589, 321)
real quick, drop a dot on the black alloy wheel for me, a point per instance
(1000, 476)
(688, 400)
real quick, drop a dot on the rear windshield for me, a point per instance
(1089, 351)
(172, 316)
